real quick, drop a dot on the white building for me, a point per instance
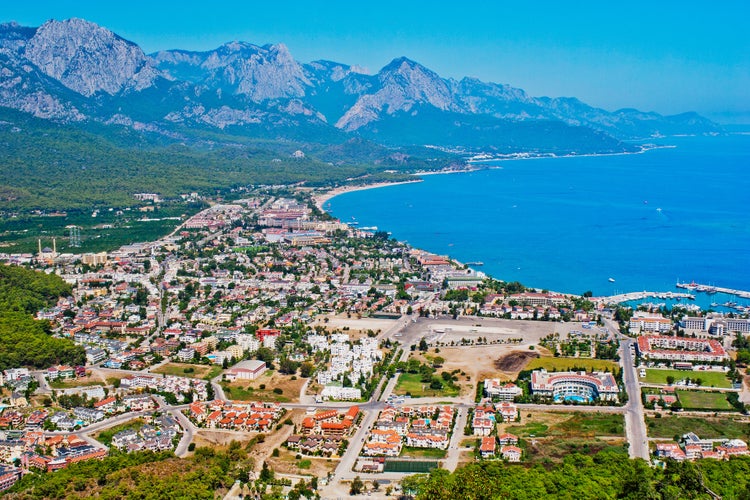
(582, 386)
(341, 393)
(246, 370)
(505, 391)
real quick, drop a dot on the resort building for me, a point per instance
(716, 324)
(681, 349)
(641, 322)
(539, 299)
(504, 391)
(575, 386)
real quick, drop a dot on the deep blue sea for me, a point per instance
(569, 224)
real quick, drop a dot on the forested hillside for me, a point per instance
(25, 341)
(45, 165)
(605, 475)
(24, 290)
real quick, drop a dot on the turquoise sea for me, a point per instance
(569, 224)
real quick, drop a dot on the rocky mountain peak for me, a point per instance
(259, 73)
(404, 84)
(14, 36)
(89, 59)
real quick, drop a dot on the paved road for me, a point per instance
(635, 425)
(346, 464)
(218, 389)
(44, 387)
(454, 450)
(187, 436)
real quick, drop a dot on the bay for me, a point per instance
(569, 224)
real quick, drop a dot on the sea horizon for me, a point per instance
(606, 224)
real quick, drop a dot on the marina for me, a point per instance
(626, 297)
(713, 289)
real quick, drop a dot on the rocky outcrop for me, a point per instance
(89, 59)
(259, 73)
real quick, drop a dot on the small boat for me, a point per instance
(611, 280)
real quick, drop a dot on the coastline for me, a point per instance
(479, 159)
(320, 199)
(495, 163)
(474, 164)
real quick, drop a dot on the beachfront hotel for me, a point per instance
(575, 386)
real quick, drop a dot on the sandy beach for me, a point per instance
(322, 198)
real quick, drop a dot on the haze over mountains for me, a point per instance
(74, 71)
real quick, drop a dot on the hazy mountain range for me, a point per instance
(74, 71)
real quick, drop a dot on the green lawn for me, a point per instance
(590, 424)
(105, 436)
(703, 400)
(235, 391)
(563, 364)
(573, 425)
(411, 383)
(706, 427)
(557, 449)
(205, 372)
(708, 379)
(408, 451)
(536, 429)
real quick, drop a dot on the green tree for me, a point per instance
(266, 474)
(356, 486)
(306, 369)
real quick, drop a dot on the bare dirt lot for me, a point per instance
(514, 361)
(220, 439)
(480, 362)
(263, 388)
(287, 463)
(356, 328)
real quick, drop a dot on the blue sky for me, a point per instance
(663, 56)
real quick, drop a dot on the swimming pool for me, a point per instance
(573, 398)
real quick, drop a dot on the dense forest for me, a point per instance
(148, 475)
(44, 165)
(25, 341)
(29, 291)
(605, 475)
(143, 475)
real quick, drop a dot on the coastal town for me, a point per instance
(339, 354)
